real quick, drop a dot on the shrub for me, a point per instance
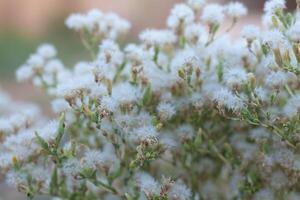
(187, 113)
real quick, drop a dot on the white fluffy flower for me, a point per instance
(15, 179)
(5, 126)
(276, 79)
(267, 21)
(144, 132)
(180, 14)
(104, 159)
(224, 97)
(213, 14)
(49, 131)
(196, 33)
(166, 111)
(196, 4)
(91, 158)
(292, 106)
(185, 131)
(83, 68)
(179, 191)
(75, 21)
(274, 38)
(75, 86)
(36, 61)
(60, 105)
(158, 79)
(112, 25)
(71, 167)
(136, 53)
(157, 37)
(108, 25)
(294, 32)
(47, 51)
(147, 184)
(251, 32)
(262, 94)
(272, 6)
(235, 10)
(108, 103)
(94, 16)
(235, 77)
(125, 93)
(110, 53)
(24, 73)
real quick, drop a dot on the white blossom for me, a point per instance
(157, 37)
(274, 38)
(196, 4)
(276, 79)
(294, 32)
(75, 21)
(292, 106)
(15, 178)
(60, 105)
(166, 111)
(71, 167)
(144, 132)
(196, 33)
(47, 51)
(251, 32)
(179, 191)
(147, 184)
(271, 6)
(235, 77)
(224, 97)
(213, 14)
(180, 14)
(125, 93)
(235, 10)
(108, 103)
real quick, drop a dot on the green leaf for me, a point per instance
(119, 71)
(228, 152)
(61, 129)
(112, 176)
(220, 71)
(128, 197)
(156, 52)
(182, 41)
(54, 182)
(289, 19)
(41, 142)
(181, 73)
(215, 28)
(88, 172)
(265, 49)
(147, 97)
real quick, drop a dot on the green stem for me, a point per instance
(289, 90)
(87, 46)
(105, 186)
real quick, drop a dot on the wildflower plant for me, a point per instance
(186, 113)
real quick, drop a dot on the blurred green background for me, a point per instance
(26, 24)
(15, 47)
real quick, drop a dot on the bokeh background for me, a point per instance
(26, 23)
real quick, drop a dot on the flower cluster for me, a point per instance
(186, 113)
